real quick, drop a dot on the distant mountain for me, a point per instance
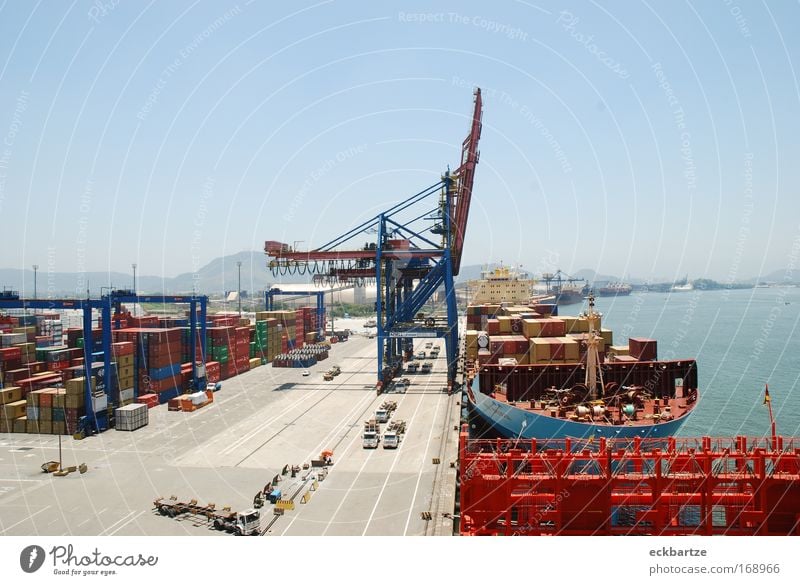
(216, 277)
(221, 275)
(782, 276)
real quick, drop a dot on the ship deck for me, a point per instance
(645, 416)
(227, 451)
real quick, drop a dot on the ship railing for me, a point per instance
(722, 446)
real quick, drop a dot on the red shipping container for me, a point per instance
(151, 400)
(146, 383)
(45, 400)
(122, 348)
(58, 366)
(10, 353)
(643, 349)
(493, 327)
(160, 361)
(37, 367)
(11, 365)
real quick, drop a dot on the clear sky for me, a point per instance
(637, 138)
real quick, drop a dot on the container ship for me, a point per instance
(570, 294)
(505, 284)
(566, 289)
(532, 375)
(614, 289)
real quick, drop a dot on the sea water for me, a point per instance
(741, 339)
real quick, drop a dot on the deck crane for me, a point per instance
(409, 260)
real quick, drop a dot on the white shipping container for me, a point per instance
(131, 417)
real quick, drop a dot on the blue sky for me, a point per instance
(650, 139)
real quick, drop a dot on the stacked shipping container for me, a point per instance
(530, 336)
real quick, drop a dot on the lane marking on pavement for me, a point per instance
(421, 469)
(24, 519)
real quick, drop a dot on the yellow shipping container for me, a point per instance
(539, 350)
(75, 386)
(14, 409)
(255, 362)
(608, 336)
(20, 425)
(125, 361)
(572, 349)
(620, 349)
(505, 324)
(10, 394)
(74, 401)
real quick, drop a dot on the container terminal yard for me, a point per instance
(202, 424)
(259, 423)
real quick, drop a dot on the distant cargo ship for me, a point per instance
(614, 289)
(576, 385)
(685, 286)
(505, 285)
(569, 294)
(566, 289)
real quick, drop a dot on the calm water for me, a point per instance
(740, 339)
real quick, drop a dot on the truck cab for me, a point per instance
(400, 387)
(370, 440)
(381, 415)
(248, 522)
(421, 355)
(391, 440)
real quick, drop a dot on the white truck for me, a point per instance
(394, 434)
(391, 440)
(372, 434)
(382, 415)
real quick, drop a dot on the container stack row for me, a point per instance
(511, 335)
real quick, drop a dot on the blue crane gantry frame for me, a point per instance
(400, 256)
(116, 298)
(269, 302)
(97, 407)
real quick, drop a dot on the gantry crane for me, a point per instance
(408, 263)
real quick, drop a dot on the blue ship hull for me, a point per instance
(517, 423)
